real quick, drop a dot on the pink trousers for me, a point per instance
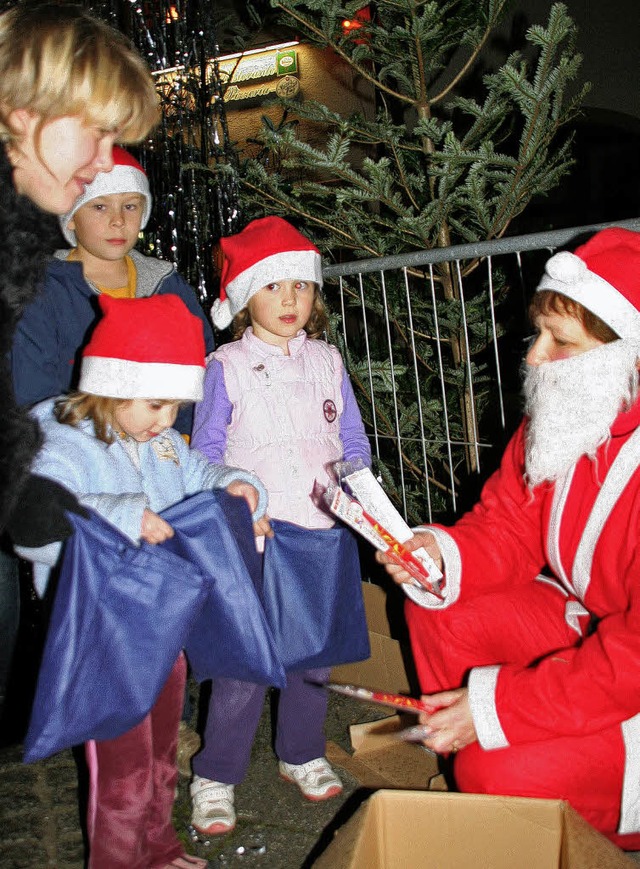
(519, 626)
(132, 787)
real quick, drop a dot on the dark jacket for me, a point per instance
(28, 236)
(57, 325)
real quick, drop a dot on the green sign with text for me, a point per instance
(287, 62)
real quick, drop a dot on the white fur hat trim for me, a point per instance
(567, 274)
(124, 378)
(301, 265)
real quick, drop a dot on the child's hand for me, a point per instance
(262, 527)
(154, 528)
(246, 491)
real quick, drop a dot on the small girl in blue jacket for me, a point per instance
(112, 444)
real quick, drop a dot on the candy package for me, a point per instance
(368, 510)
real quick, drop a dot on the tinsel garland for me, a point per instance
(192, 207)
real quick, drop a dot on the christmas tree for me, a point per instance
(453, 154)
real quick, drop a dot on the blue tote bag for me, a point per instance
(312, 596)
(120, 617)
(231, 636)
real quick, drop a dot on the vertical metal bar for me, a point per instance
(395, 398)
(371, 389)
(443, 388)
(418, 394)
(495, 341)
(344, 319)
(469, 373)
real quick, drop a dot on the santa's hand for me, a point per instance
(399, 574)
(154, 529)
(450, 726)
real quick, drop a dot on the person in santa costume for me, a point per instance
(532, 660)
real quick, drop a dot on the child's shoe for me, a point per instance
(315, 778)
(213, 812)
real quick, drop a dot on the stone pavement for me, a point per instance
(40, 826)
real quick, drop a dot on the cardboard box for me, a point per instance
(422, 830)
(412, 820)
(380, 760)
(386, 669)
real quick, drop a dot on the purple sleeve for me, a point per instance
(212, 415)
(354, 439)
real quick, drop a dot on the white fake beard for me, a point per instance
(572, 403)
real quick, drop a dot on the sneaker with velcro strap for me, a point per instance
(315, 778)
(213, 810)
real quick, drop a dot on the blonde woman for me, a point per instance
(70, 86)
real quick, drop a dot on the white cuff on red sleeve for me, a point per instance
(482, 702)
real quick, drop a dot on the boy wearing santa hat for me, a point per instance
(112, 444)
(534, 679)
(102, 228)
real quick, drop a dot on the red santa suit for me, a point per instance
(553, 664)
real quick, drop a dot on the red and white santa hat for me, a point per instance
(268, 249)
(127, 176)
(145, 348)
(603, 275)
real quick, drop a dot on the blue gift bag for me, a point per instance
(230, 636)
(312, 596)
(123, 612)
(120, 618)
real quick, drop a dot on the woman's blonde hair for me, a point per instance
(73, 408)
(316, 326)
(58, 60)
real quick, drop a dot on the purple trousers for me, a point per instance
(234, 712)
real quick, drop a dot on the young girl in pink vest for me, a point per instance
(277, 402)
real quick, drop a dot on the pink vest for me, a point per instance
(285, 425)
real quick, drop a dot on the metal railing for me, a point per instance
(433, 344)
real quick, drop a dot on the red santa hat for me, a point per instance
(267, 250)
(127, 176)
(145, 348)
(603, 275)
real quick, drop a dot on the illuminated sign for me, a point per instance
(279, 65)
(287, 87)
(243, 69)
(253, 75)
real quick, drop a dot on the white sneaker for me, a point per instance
(315, 778)
(213, 811)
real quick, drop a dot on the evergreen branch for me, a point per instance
(473, 57)
(289, 207)
(361, 70)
